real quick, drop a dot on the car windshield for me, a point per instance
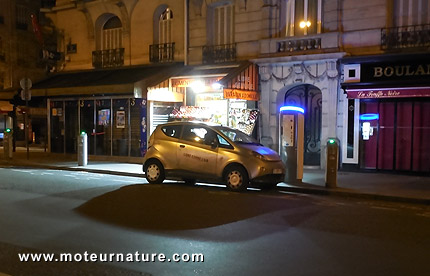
(237, 136)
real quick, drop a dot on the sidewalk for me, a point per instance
(379, 186)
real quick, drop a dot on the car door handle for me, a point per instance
(182, 146)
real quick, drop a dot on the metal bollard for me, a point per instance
(332, 163)
(82, 149)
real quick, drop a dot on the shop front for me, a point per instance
(110, 106)
(113, 125)
(220, 95)
(388, 122)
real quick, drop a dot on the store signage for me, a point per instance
(188, 82)
(241, 94)
(378, 93)
(377, 72)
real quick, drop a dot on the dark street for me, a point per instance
(252, 233)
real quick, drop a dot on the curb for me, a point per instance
(292, 189)
(380, 197)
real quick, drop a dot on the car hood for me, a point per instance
(268, 153)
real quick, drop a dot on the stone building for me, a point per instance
(249, 57)
(20, 57)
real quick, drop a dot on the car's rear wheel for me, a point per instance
(236, 178)
(154, 172)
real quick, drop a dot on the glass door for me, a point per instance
(87, 122)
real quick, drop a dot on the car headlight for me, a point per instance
(258, 155)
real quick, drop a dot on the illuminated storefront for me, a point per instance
(225, 95)
(388, 121)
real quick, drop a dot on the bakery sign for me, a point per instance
(379, 93)
(241, 94)
(375, 72)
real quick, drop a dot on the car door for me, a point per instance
(197, 150)
(168, 145)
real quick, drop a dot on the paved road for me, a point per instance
(254, 233)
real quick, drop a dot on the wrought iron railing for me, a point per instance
(162, 52)
(108, 58)
(219, 53)
(405, 37)
(292, 45)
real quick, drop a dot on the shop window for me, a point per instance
(301, 17)
(411, 12)
(221, 24)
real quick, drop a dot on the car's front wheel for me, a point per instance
(236, 178)
(154, 172)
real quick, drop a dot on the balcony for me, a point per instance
(407, 37)
(219, 53)
(162, 52)
(108, 58)
(299, 45)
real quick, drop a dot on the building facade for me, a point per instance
(20, 57)
(236, 63)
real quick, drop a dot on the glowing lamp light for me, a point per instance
(7, 130)
(83, 132)
(216, 86)
(292, 108)
(331, 141)
(369, 117)
(198, 86)
(304, 24)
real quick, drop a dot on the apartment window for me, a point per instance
(301, 17)
(2, 52)
(411, 12)
(2, 10)
(112, 34)
(21, 17)
(165, 27)
(2, 80)
(221, 24)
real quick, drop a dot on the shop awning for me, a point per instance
(239, 80)
(376, 93)
(104, 81)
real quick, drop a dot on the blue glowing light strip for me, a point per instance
(292, 108)
(369, 117)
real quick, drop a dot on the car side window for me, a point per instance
(199, 134)
(172, 131)
(223, 142)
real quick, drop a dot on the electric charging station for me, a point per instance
(291, 141)
(82, 149)
(7, 143)
(332, 163)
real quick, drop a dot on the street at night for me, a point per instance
(215, 137)
(251, 233)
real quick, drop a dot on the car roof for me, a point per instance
(190, 123)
